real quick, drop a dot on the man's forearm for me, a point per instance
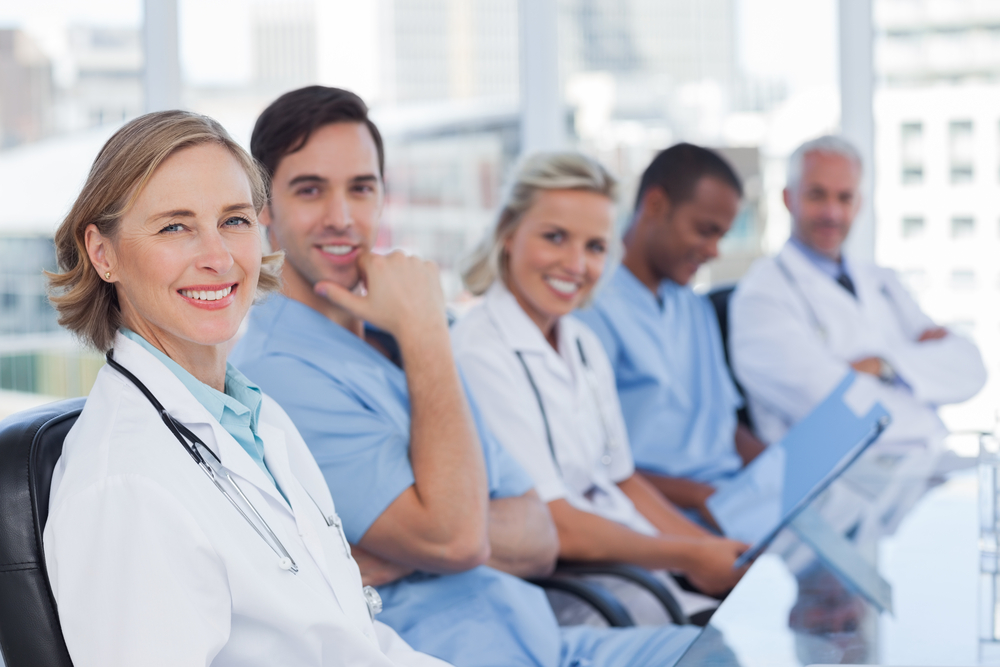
(708, 561)
(445, 454)
(377, 571)
(748, 446)
(585, 536)
(523, 539)
(684, 493)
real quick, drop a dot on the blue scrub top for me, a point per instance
(677, 395)
(352, 408)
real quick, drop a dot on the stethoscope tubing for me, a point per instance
(609, 443)
(184, 436)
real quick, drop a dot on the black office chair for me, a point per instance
(633, 574)
(30, 633)
(596, 597)
(720, 297)
(30, 445)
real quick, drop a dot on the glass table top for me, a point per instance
(920, 532)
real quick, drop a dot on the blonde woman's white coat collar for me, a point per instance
(521, 334)
(517, 329)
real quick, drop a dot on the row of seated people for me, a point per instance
(367, 445)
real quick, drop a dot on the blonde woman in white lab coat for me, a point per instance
(189, 525)
(545, 387)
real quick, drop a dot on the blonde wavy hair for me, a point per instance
(543, 171)
(87, 305)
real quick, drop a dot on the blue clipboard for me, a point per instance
(763, 498)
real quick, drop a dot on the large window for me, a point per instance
(912, 153)
(960, 150)
(913, 226)
(963, 227)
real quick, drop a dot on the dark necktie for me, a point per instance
(845, 281)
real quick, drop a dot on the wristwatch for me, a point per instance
(886, 373)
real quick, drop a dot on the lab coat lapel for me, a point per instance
(814, 282)
(833, 304)
(236, 460)
(310, 520)
(853, 325)
(276, 457)
(185, 408)
(520, 333)
(870, 297)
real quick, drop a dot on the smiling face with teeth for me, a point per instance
(326, 199)
(557, 252)
(187, 254)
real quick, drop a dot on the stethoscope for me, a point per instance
(212, 467)
(610, 443)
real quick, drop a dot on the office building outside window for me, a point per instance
(963, 227)
(913, 226)
(937, 157)
(912, 153)
(961, 151)
(914, 279)
(963, 279)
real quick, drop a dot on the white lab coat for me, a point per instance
(150, 564)
(486, 343)
(792, 338)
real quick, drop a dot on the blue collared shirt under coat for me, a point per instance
(677, 396)
(830, 267)
(237, 410)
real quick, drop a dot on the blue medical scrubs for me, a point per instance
(351, 405)
(677, 395)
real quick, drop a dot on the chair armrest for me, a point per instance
(603, 602)
(636, 575)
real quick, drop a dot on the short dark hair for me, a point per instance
(289, 121)
(678, 169)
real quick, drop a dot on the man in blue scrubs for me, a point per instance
(663, 340)
(442, 520)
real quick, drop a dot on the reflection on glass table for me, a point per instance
(912, 518)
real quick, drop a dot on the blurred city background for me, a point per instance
(462, 88)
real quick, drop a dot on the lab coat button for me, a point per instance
(285, 563)
(373, 600)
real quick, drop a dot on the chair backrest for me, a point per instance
(30, 444)
(720, 297)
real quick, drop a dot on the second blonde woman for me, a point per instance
(545, 384)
